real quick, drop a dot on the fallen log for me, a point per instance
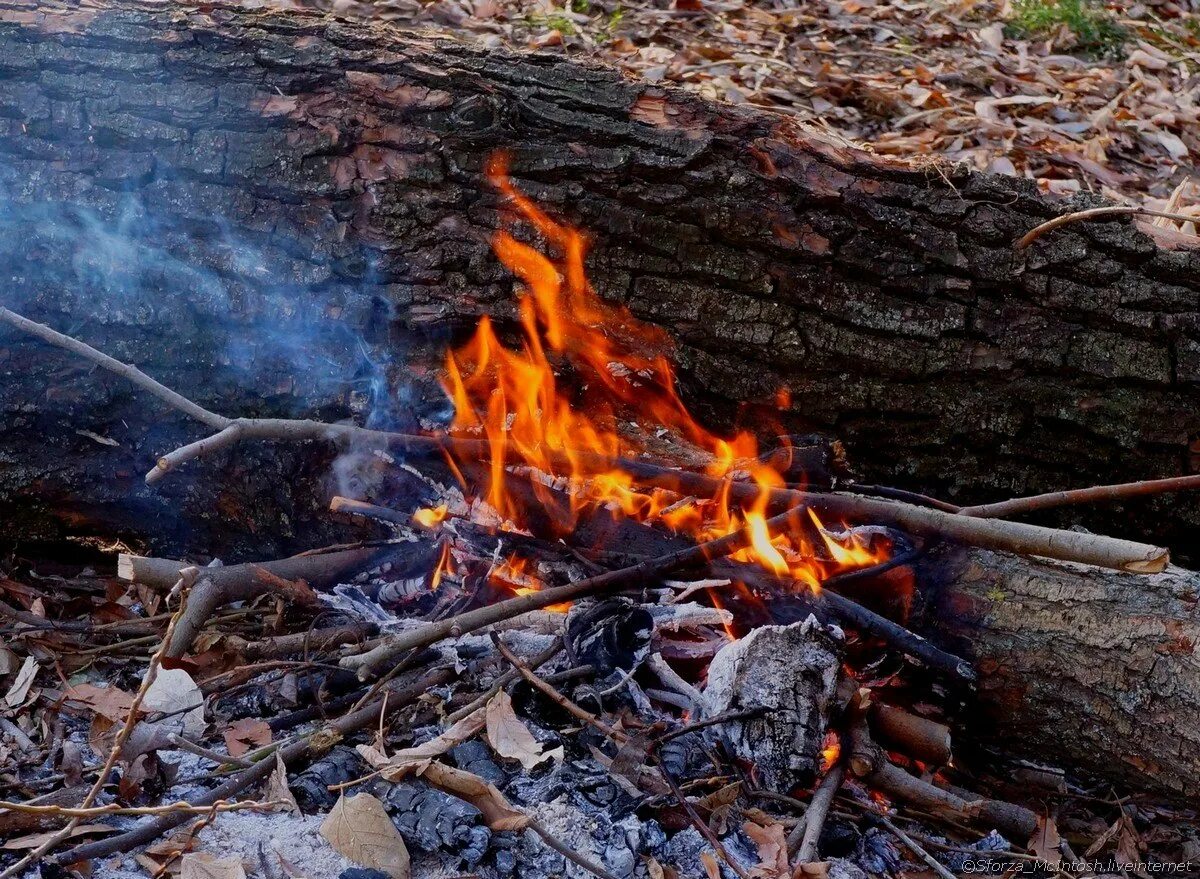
(1077, 666)
(298, 190)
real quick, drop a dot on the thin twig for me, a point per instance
(699, 823)
(566, 851)
(1095, 213)
(504, 680)
(1091, 495)
(920, 521)
(181, 806)
(185, 744)
(555, 696)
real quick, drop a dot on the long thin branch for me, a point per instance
(1091, 495)
(131, 373)
(1095, 213)
(921, 521)
(818, 809)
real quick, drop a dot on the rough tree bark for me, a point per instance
(274, 213)
(1078, 667)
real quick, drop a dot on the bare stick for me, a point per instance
(818, 810)
(118, 745)
(185, 744)
(181, 807)
(1094, 494)
(504, 680)
(921, 521)
(1095, 213)
(918, 737)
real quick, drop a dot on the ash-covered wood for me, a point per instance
(791, 673)
(1077, 666)
(278, 211)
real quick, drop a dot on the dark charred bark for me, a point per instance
(275, 213)
(1081, 668)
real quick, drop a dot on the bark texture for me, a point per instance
(275, 213)
(1079, 667)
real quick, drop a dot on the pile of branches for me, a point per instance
(666, 724)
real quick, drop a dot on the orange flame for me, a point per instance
(429, 517)
(513, 398)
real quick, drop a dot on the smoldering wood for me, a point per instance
(888, 298)
(1077, 666)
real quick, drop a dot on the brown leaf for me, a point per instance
(245, 735)
(33, 840)
(497, 811)
(20, 687)
(1046, 841)
(111, 702)
(772, 850)
(201, 865)
(510, 737)
(465, 729)
(359, 829)
(278, 790)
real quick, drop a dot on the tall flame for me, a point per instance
(513, 398)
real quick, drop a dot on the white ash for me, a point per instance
(789, 671)
(261, 840)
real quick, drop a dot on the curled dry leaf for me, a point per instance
(111, 702)
(245, 735)
(772, 850)
(498, 812)
(359, 829)
(510, 737)
(278, 790)
(201, 865)
(20, 687)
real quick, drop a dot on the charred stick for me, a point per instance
(554, 695)
(185, 744)
(850, 612)
(915, 847)
(699, 823)
(818, 811)
(308, 641)
(504, 680)
(309, 746)
(1015, 537)
(869, 762)
(918, 737)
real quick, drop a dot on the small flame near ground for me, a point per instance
(512, 396)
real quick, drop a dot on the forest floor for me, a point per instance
(1075, 95)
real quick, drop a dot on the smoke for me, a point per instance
(234, 317)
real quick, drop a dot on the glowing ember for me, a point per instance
(831, 752)
(428, 517)
(514, 399)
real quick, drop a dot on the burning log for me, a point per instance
(776, 258)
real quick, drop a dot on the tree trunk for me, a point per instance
(278, 213)
(1079, 667)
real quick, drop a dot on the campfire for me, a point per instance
(580, 633)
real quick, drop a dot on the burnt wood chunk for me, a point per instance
(790, 673)
(277, 213)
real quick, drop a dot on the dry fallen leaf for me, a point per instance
(111, 702)
(20, 687)
(498, 812)
(201, 865)
(278, 790)
(1045, 841)
(772, 850)
(175, 693)
(359, 829)
(510, 737)
(245, 735)
(33, 840)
